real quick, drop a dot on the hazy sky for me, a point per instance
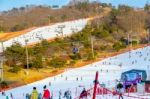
(9, 4)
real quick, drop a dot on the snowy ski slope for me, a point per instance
(47, 32)
(109, 70)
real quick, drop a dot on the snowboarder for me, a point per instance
(132, 62)
(81, 78)
(46, 94)
(34, 94)
(66, 78)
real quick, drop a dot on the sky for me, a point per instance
(9, 4)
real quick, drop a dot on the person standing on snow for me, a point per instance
(67, 94)
(60, 93)
(7, 97)
(40, 96)
(120, 87)
(27, 96)
(11, 95)
(49, 83)
(46, 94)
(34, 94)
(3, 93)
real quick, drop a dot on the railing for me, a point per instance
(105, 93)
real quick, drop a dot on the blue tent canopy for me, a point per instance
(133, 74)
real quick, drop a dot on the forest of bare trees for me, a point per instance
(30, 16)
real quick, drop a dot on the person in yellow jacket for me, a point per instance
(34, 94)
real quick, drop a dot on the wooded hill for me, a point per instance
(30, 16)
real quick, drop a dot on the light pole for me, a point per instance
(92, 47)
(92, 43)
(1, 28)
(2, 61)
(148, 33)
(27, 56)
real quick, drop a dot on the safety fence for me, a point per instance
(102, 92)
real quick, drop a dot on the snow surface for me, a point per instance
(109, 70)
(47, 32)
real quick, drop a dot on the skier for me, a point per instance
(34, 94)
(11, 96)
(54, 78)
(46, 94)
(107, 70)
(61, 75)
(77, 79)
(60, 93)
(81, 78)
(67, 94)
(3, 93)
(49, 83)
(135, 61)
(70, 96)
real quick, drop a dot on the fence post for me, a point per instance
(95, 85)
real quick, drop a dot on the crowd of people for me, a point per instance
(48, 95)
(34, 95)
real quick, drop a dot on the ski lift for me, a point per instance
(75, 50)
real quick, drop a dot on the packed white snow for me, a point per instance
(109, 70)
(47, 32)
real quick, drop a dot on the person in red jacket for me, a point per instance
(46, 94)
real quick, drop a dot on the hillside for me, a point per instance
(107, 33)
(34, 16)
